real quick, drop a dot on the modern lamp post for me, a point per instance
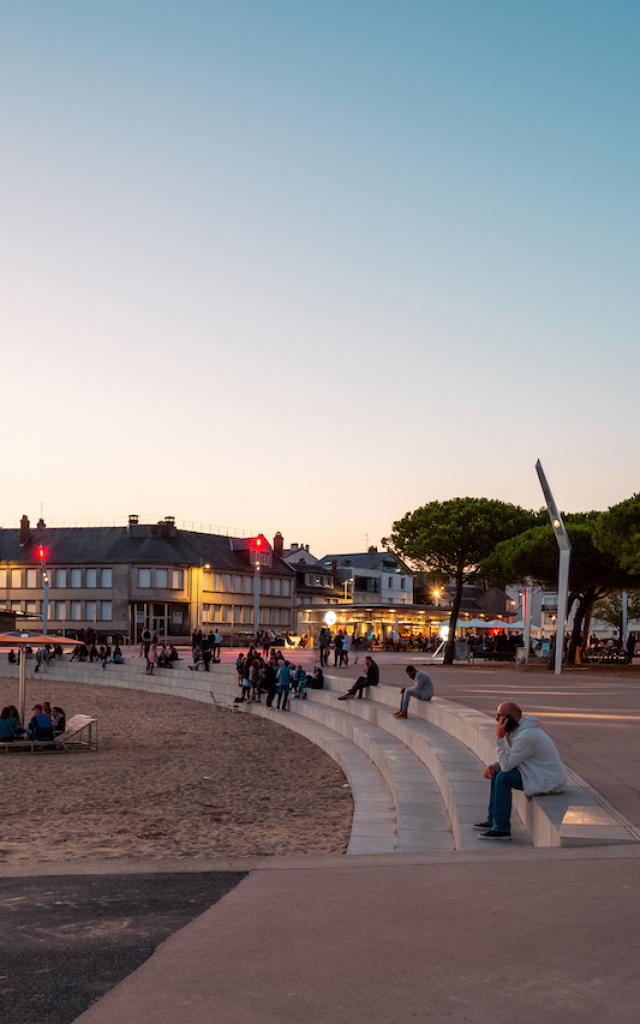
(564, 547)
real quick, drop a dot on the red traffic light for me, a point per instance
(42, 552)
(258, 543)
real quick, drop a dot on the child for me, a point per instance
(300, 683)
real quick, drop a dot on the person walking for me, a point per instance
(206, 652)
(152, 658)
(346, 645)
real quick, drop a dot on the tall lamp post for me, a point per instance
(564, 547)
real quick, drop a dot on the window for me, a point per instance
(206, 613)
(106, 578)
(16, 606)
(106, 613)
(162, 578)
(61, 578)
(144, 578)
(226, 582)
(237, 585)
(32, 578)
(177, 579)
(33, 607)
(60, 611)
(217, 582)
(207, 581)
(90, 610)
(276, 588)
(3, 578)
(275, 616)
(247, 584)
(403, 583)
(92, 577)
(76, 610)
(390, 582)
(286, 588)
(266, 585)
(76, 577)
(217, 613)
(16, 579)
(266, 616)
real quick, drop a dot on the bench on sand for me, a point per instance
(81, 734)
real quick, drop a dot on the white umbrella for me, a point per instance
(472, 624)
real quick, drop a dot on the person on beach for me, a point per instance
(527, 759)
(422, 689)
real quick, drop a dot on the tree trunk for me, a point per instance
(576, 630)
(450, 648)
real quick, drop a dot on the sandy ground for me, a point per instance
(172, 778)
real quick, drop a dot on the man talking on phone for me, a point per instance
(527, 759)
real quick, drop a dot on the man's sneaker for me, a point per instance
(484, 826)
(494, 834)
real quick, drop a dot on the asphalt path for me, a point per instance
(67, 940)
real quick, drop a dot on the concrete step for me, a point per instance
(423, 823)
(577, 817)
(455, 770)
(375, 825)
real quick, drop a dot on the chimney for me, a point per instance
(294, 547)
(41, 525)
(278, 543)
(170, 520)
(306, 547)
(373, 550)
(25, 531)
(133, 521)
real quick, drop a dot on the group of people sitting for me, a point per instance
(46, 723)
(101, 652)
(274, 676)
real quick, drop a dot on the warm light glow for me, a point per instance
(330, 618)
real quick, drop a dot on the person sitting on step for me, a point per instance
(372, 678)
(422, 689)
(527, 759)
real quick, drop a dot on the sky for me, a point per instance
(271, 264)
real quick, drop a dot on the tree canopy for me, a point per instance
(453, 537)
(618, 533)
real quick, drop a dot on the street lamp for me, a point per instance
(41, 555)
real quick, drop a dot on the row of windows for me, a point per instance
(161, 579)
(392, 585)
(226, 583)
(31, 579)
(63, 611)
(242, 615)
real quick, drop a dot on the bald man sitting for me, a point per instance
(527, 759)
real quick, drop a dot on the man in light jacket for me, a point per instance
(527, 759)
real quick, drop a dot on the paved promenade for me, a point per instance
(550, 939)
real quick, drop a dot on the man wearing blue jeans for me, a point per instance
(527, 760)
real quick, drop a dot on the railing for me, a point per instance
(70, 522)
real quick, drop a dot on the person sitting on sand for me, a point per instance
(40, 727)
(59, 720)
(8, 726)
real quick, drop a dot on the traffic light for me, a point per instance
(42, 553)
(258, 543)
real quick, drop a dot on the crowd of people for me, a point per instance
(46, 723)
(274, 677)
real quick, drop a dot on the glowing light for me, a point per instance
(330, 618)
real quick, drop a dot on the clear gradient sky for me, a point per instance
(307, 265)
